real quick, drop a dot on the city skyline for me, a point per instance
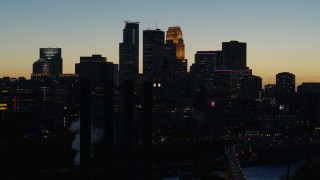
(280, 36)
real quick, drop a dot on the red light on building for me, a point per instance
(14, 103)
(212, 104)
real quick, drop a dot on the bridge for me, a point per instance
(232, 166)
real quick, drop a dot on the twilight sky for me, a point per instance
(281, 35)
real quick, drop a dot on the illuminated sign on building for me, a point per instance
(3, 107)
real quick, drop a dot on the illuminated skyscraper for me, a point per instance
(53, 56)
(129, 51)
(151, 38)
(175, 37)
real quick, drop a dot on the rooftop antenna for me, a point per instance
(149, 23)
(156, 24)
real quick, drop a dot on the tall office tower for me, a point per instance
(129, 52)
(175, 37)
(235, 54)
(163, 62)
(150, 39)
(96, 84)
(202, 72)
(53, 56)
(36, 95)
(235, 81)
(285, 82)
(97, 70)
(68, 92)
(41, 66)
(285, 88)
(206, 62)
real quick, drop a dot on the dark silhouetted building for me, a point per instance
(309, 87)
(236, 77)
(205, 62)
(8, 99)
(285, 83)
(96, 69)
(68, 92)
(269, 95)
(251, 87)
(164, 62)
(150, 39)
(129, 52)
(36, 95)
(235, 54)
(202, 74)
(53, 56)
(269, 91)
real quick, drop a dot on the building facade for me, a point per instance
(175, 37)
(129, 51)
(235, 54)
(151, 38)
(53, 56)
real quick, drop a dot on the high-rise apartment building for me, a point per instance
(129, 51)
(53, 56)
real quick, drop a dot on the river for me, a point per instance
(265, 172)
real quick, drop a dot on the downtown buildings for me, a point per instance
(219, 100)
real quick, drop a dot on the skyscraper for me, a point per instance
(235, 54)
(175, 37)
(53, 56)
(97, 70)
(285, 89)
(206, 62)
(95, 67)
(129, 51)
(285, 82)
(41, 66)
(150, 39)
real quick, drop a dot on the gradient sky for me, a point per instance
(281, 35)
